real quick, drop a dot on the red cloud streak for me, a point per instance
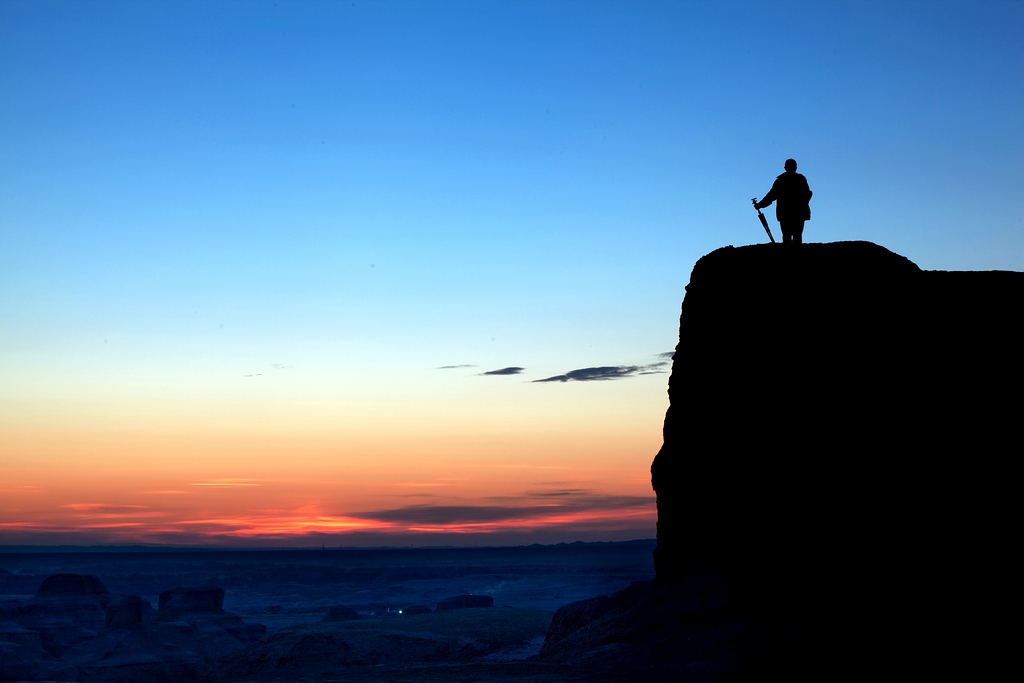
(93, 523)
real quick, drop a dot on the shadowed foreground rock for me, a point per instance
(838, 451)
(128, 613)
(355, 648)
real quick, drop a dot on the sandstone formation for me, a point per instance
(70, 586)
(73, 630)
(128, 612)
(66, 609)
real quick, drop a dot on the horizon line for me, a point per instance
(14, 548)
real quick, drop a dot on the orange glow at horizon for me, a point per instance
(157, 526)
(569, 468)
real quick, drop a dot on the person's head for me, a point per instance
(790, 165)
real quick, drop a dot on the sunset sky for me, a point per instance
(289, 273)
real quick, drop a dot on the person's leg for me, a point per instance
(788, 232)
(798, 232)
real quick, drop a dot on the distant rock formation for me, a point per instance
(70, 586)
(180, 602)
(73, 630)
(128, 612)
(464, 602)
(839, 444)
(341, 614)
(66, 609)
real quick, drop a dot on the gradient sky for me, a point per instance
(257, 258)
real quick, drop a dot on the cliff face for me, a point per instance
(840, 444)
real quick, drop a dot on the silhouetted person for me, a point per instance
(792, 195)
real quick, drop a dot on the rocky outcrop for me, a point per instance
(838, 445)
(23, 657)
(341, 614)
(66, 609)
(129, 612)
(183, 602)
(570, 619)
(835, 489)
(692, 627)
(73, 630)
(189, 631)
(73, 586)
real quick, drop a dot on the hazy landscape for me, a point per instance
(291, 592)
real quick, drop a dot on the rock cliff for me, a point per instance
(836, 489)
(839, 443)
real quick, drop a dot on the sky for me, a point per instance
(292, 273)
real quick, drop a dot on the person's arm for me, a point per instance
(768, 198)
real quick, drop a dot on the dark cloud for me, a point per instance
(504, 371)
(445, 514)
(668, 355)
(569, 499)
(606, 372)
(565, 493)
(469, 514)
(455, 367)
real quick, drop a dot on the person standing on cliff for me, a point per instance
(792, 195)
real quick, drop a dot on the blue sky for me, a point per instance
(335, 199)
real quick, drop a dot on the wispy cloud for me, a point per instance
(545, 508)
(606, 372)
(127, 515)
(504, 371)
(104, 507)
(422, 484)
(455, 367)
(668, 355)
(564, 493)
(225, 483)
